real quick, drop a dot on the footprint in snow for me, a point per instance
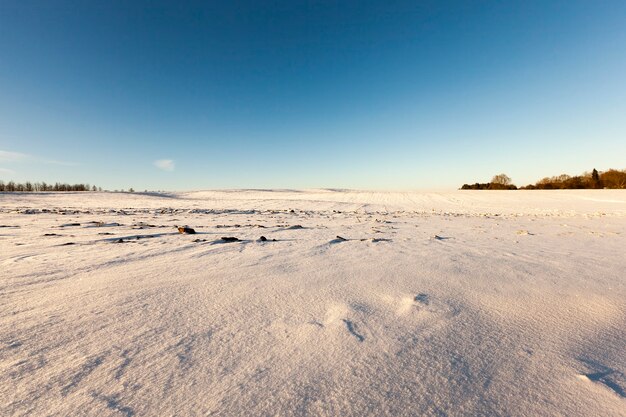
(337, 314)
(424, 305)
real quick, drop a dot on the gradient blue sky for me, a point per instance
(288, 94)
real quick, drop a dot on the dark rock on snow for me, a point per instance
(186, 230)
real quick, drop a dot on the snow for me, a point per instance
(382, 303)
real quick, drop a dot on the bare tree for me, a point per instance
(501, 179)
(614, 178)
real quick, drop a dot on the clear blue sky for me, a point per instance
(289, 94)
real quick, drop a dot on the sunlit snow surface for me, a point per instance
(463, 303)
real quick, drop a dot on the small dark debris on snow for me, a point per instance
(295, 227)
(422, 298)
(70, 224)
(186, 230)
(200, 240)
(264, 239)
(51, 234)
(230, 239)
(341, 238)
(14, 345)
(68, 244)
(105, 233)
(143, 225)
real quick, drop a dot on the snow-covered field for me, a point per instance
(508, 303)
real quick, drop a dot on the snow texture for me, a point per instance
(505, 303)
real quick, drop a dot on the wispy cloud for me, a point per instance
(165, 164)
(13, 156)
(8, 156)
(6, 171)
(64, 163)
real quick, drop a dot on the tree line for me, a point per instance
(28, 186)
(498, 182)
(611, 178)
